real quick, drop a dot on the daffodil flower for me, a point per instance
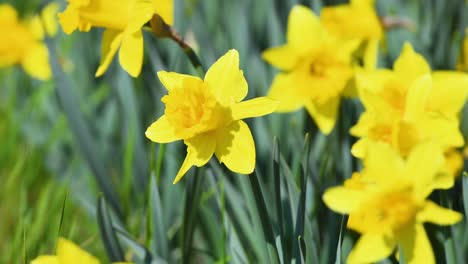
(21, 43)
(410, 105)
(356, 20)
(387, 204)
(316, 69)
(207, 115)
(123, 21)
(68, 253)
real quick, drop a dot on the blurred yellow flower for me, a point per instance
(454, 161)
(356, 20)
(207, 114)
(21, 43)
(389, 207)
(409, 105)
(68, 253)
(122, 20)
(316, 69)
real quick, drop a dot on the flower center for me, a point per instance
(192, 110)
(393, 210)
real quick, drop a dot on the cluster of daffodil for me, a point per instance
(22, 41)
(410, 122)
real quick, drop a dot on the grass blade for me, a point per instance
(299, 227)
(263, 213)
(79, 128)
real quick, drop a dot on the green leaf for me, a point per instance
(301, 207)
(109, 238)
(159, 241)
(80, 129)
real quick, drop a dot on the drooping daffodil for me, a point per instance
(207, 115)
(123, 21)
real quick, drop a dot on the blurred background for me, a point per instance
(68, 141)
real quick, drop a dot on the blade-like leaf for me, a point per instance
(108, 236)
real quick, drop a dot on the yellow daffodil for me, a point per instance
(123, 21)
(68, 253)
(409, 105)
(207, 114)
(387, 204)
(21, 43)
(356, 20)
(316, 69)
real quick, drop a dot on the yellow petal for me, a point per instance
(324, 115)
(424, 162)
(69, 19)
(254, 108)
(199, 152)
(141, 13)
(370, 84)
(161, 131)
(366, 121)
(173, 80)
(371, 54)
(435, 214)
(8, 14)
(304, 29)
(342, 200)
(283, 57)
(382, 162)
(49, 18)
(235, 148)
(165, 9)
(131, 53)
(410, 65)
(36, 62)
(442, 130)
(111, 40)
(416, 246)
(371, 248)
(359, 149)
(46, 260)
(417, 98)
(285, 90)
(449, 92)
(68, 252)
(226, 80)
(36, 28)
